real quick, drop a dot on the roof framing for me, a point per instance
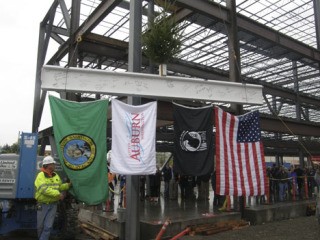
(286, 67)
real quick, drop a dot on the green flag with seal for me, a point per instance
(80, 135)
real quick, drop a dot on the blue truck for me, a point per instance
(17, 175)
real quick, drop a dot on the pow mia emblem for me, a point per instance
(78, 151)
(193, 141)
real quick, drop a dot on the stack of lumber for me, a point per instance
(97, 232)
(213, 228)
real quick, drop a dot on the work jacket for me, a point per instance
(48, 188)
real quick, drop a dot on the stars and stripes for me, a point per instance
(240, 163)
(249, 128)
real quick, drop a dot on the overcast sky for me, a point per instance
(19, 24)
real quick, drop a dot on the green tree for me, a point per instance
(5, 148)
(162, 40)
(14, 148)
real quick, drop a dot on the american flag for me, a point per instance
(240, 163)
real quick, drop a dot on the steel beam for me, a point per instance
(269, 123)
(117, 49)
(82, 80)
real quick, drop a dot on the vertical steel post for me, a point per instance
(73, 52)
(132, 228)
(234, 72)
(43, 42)
(150, 20)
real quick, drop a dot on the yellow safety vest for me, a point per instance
(48, 188)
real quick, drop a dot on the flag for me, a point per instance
(80, 135)
(193, 140)
(240, 163)
(133, 138)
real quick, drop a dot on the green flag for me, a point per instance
(80, 135)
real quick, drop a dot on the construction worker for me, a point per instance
(48, 192)
(112, 181)
(122, 200)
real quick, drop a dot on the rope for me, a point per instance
(117, 193)
(277, 179)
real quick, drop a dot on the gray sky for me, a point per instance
(19, 24)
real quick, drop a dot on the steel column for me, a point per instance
(132, 229)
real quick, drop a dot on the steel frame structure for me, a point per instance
(275, 44)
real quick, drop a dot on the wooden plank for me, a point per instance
(102, 233)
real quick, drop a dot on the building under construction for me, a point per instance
(239, 43)
(270, 44)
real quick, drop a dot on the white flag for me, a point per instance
(133, 138)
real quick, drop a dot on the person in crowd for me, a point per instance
(191, 183)
(274, 188)
(300, 180)
(317, 179)
(268, 170)
(167, 175)
(218, 200)
(112, 181)
(173, 187)
(199, 189)
(310, 178)
(282, 177)
(293, 183)
(155, 183)
(203, 187)
(183, 181)
(122, 181)
(48, 192)
(142, 187)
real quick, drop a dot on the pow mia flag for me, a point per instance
(193, 140)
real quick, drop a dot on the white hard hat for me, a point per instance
(48, 160)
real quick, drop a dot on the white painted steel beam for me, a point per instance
(84, 80)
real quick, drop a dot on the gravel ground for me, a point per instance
(302, 228)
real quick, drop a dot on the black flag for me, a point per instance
(193, 140)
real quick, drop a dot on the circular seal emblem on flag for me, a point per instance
(193, 141)
(78, 151)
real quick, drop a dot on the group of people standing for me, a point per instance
(172, 182)
(293, 182)
(284, 184)
(191, 187)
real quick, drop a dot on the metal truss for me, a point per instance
(278, 44)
